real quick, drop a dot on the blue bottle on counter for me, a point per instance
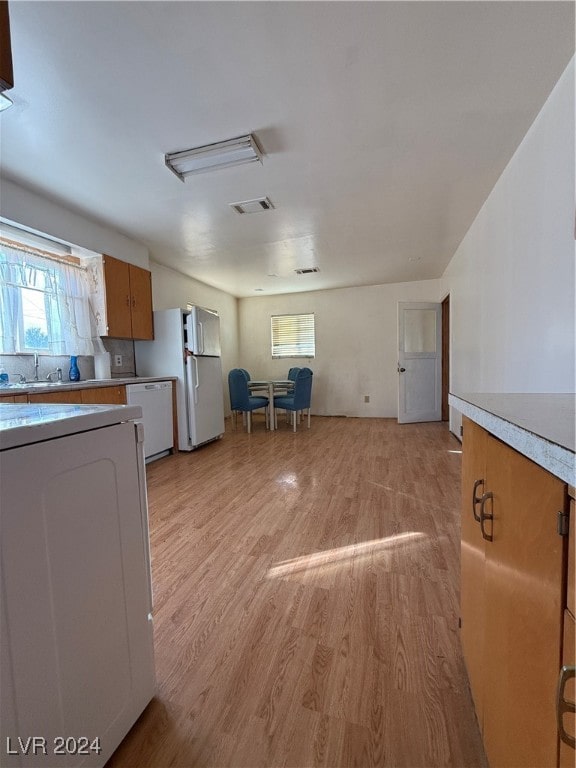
(4, 378)
(74, 370)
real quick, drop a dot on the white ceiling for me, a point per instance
(384, 126)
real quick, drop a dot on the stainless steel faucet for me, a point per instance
(58, 373)
(35, 366)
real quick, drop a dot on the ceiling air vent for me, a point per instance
(252, 206)
(307, 270)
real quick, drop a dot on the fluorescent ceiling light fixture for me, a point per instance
(5, 102)
(222, 154)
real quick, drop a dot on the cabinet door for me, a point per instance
(141, 303)
(104, 395)
(472, 594)
(523, 584)
(567, 755)
(65, 396)
(6, 71)
(118, 302)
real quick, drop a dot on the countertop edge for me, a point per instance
(83, 384)
(558, 460)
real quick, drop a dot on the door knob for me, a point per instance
(401, 370)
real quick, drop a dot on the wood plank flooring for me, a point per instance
(306, 602)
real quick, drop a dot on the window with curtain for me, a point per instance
(44, 303)
(293, 336)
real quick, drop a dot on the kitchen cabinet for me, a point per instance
(6, 71)
(104, 395)
(86, 396)
(568, 692)
(511, 598)
(567, 687)
(13, 398)
(128, 300)
(65, 396)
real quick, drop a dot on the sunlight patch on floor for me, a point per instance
(340, 555)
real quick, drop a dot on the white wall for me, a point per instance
(173, 289)
(356, 343)
(511, 281)
(24, 207)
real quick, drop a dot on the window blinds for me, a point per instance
(293, 336)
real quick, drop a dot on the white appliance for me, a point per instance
(76, 646)
(187, 345)
(155, 399)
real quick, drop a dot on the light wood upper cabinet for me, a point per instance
(6, 72)
(512, 578)
(141, 296)
(128, 292)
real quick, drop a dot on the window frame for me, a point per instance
(302, 335)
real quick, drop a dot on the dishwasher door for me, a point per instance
(155, 399)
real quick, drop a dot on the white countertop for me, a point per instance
(26, 389)
(542, 427)
(23, 423)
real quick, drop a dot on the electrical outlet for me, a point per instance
(366, 398)
(117, 360)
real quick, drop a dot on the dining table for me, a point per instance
(270, 386)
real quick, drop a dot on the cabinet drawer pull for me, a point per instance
(564, 705)
(486, 515)
(127, 301)
(476, 499)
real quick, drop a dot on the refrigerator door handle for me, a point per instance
(200, 338)
(197, 384)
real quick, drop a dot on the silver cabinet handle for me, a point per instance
(564, 705)
(486, 515)
(476, 499)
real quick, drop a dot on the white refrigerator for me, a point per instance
(187, 346)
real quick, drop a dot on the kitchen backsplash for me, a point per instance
(24, 364)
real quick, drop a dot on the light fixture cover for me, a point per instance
(222, 154)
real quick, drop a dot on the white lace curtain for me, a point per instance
(65, 290)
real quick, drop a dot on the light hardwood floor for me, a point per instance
(306, 602)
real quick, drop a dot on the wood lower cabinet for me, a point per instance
(104, 395)
(13, 398)
(66, 396)
(511, 598)
(567, 752)
(128, 300)
(89, 396)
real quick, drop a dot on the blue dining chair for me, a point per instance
(240, 399)
(300, 400)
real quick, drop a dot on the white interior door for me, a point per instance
(419, 361)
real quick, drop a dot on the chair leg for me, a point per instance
(294, 419)
(308, 418)
(267, 415)
(249, 421)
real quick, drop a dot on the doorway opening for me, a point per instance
(445, 357)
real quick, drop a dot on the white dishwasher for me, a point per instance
(155, 399)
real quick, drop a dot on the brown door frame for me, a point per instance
(445, 357)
